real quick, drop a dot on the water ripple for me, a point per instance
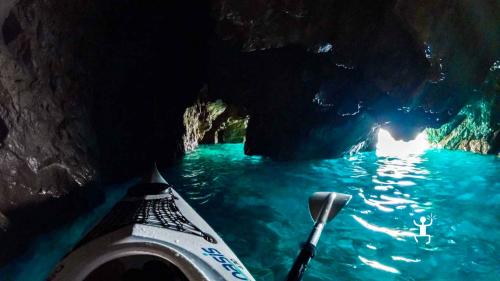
(391, 232)
(377, 265)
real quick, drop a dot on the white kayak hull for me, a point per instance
(163, 226)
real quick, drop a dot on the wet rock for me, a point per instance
(213, 122)
(472, 130)
(198, 120)
(92, 91)
(4, 222)
(476, 126)
(150, 68)
(233, 130)
(42, 126)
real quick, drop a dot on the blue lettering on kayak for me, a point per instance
(225, 262)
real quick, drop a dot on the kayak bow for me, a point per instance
(152, 234)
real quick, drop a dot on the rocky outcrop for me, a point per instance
(213, 122)
(471, 130)
(476, 127)
(48, 148)
(198, 121)
(233, 130)
(47, 144)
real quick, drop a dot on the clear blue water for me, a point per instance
(260, 209)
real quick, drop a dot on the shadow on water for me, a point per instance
(39, 235)
(34, 218)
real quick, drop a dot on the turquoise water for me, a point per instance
(259, 207)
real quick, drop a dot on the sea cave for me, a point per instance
(219, 140)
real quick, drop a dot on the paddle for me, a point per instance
(323, 206)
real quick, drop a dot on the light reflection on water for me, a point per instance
(260, 208)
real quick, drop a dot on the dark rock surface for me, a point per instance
(91, 91)
(47, 146)
(309, 72)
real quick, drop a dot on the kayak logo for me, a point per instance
(423, 228)
(225, 262)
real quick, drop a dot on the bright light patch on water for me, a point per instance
(391, 232)
(377, 265)
(397, 258)
(388, 146)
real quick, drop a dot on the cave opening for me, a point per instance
(388, 146)
(214, 122)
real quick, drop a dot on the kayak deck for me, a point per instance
(153, 222)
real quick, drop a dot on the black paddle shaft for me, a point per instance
(300, 265)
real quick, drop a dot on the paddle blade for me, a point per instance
(319, 200)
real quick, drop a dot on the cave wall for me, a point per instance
(311, 72)
(47, 146)
(89, 86)
(476, 127)
(91, 92)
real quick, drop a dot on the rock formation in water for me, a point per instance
(476, 127)
(210, 122)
